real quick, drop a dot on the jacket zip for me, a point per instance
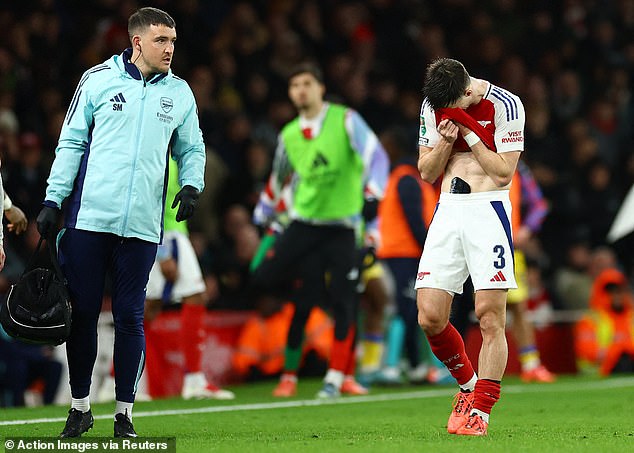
(136, 157)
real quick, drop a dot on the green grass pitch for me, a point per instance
(575, 414)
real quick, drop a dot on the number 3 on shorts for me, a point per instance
(500, 263)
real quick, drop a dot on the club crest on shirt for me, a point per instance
(166, 104)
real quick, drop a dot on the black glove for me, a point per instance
(188, 199)
(47, 221)
(370, 209)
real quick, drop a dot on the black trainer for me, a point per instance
(123, 426)
(77, 423)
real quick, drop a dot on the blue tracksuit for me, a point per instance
(110, 171)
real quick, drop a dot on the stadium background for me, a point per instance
(570, 61)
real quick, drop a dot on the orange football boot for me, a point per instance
(352, 387)
(475, 426)
(539, 374)
(287, 387)
(462, 405)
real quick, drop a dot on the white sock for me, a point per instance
(123, 408)
(334, 377)
(81, 404)
(482, 415)
(196, 379)
(470, 386)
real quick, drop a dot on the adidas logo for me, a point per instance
(320, 160)
(499, 277)
(117, 102)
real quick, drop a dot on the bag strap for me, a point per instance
(53, 255)
(31, 261)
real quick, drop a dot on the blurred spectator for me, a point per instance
(352, 30)
(572, 280)
(381, 109)
(206, 219)
(602, 258)
(26, 177)
(604, 337)
(543, 147)
(231, 256)
(540, 303)
(203, 84)
(258, 163)
(8, 132)
(604, 127)
(601, 200)
(567, 96)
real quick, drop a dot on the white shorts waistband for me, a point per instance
(493, 195)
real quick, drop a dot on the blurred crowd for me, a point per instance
(571, 61)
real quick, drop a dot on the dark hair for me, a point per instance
(445, 82)
(147, 16)
(307, 67)
(402, 139)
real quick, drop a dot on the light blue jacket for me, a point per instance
(111, 160)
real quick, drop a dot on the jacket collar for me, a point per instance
(131, 68)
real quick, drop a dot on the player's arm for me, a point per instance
(533, 200)
(72, 144)
(16, 217)
(188, 149)
(376, 164)
(435, 143)
(281, 172)
(509, 142)
(432, 161)
(498, 166)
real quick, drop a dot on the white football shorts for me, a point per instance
(469, 234)
(190, 279)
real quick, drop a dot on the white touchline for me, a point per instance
(531, 388)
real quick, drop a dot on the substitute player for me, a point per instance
(472, 133)
(337, 169)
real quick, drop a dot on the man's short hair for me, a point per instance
(307, 67)
(445, 82)
(147, 16)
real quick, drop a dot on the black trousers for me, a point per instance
(306, 254)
